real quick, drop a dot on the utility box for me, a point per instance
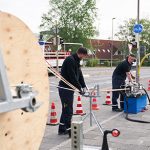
(136, 104)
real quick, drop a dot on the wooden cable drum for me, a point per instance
(24, 62)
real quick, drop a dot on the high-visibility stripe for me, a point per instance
(61, 123)
(115, 105)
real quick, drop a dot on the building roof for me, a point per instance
(103, 48)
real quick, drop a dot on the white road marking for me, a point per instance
(91, 128)
(86, 75)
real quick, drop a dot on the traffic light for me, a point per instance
(133, 42)
(61, 40)
(41, 37)
(41, 41)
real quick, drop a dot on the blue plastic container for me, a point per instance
(135, 104)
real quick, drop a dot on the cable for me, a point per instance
(147, 95)
(51, 69)
(134, 120)
(62, 87)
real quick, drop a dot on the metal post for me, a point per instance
(98, 94)
(57, 66)
(91, 114)
(64, 47)
(138, 45)
(90, 111)
(5, 93)
(112, 41)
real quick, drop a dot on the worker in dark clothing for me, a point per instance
(118, 79)
(71, 71)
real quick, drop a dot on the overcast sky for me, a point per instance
(30, 11)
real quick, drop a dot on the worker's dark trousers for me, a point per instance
(116, 84)
(66, 97)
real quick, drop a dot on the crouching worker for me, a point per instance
(71, 71)
(118, 79)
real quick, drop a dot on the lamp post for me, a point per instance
(138, 45)
(112, 40)
(57, 43)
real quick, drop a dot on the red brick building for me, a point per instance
(103, 49)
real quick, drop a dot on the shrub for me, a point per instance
(107, 63)
(92, 62)
(146, 63)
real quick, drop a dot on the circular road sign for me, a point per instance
(138, 28)
(41, 42)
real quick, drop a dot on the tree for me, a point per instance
(126, 32)
(75, 20)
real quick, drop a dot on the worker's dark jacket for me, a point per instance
(120, 71)
(118, 80)
(72, 73)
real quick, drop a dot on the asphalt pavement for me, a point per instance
(133, 135)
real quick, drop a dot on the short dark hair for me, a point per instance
(132, 55)
(82, 50)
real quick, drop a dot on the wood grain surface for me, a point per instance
(23, 60)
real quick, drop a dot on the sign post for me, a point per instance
(137, 29)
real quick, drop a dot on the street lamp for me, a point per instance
(57, 43)
(112, 40)
(138, 45)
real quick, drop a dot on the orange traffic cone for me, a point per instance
(148, 86)
(79, 110)
(53, 115)
(108, 101)
(94, 104)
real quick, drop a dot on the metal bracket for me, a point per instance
(91, 114)
(134, 89)
(25, 98)
(24, 91)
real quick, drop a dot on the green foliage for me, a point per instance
(92, 62)
(107, 63)
(75, 20)
(146, 63)
(115, 63)
(126, 32)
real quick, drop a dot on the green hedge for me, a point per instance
(96, 62)
(146, 63)
(115, 63)
(92, 62)
(107, 63)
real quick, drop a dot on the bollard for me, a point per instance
(114, 132)
(77, 133)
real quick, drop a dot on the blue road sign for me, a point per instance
(41, 42)
(138, 28)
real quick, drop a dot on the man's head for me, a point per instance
(131, 58)
(82, 52)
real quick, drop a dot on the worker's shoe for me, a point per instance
(62, 132)
(69, 132)
(117, 109)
